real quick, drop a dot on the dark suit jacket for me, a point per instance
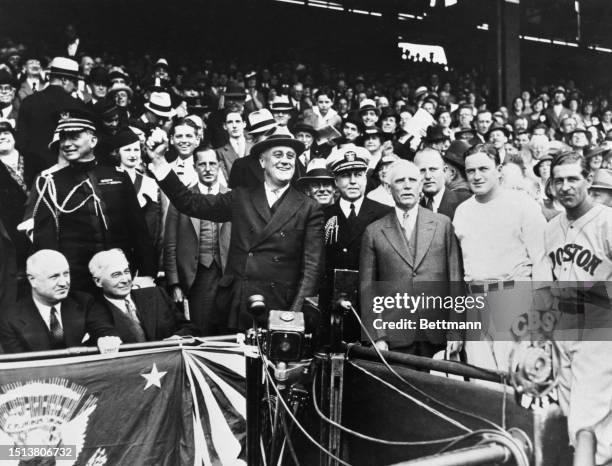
(478, 139)
(159, 316)
(279, 256)
(12, 208)
(23, 329)
(182, 244)
(553, 120)
(435, 270)
(8, 270)
(227, 156)
(37, 120)
(450, 200)
(343, 253)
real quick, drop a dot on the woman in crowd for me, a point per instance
(127, 149)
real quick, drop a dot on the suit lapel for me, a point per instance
(395, 235)
(34, 329)
(144, 300)
(361, 222)
(425, 229)
(288, 207)
(72, 319)
(195, 221)
(260, 202)
(256, 169)
(445, 206)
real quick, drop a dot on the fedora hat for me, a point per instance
(602, 179)
(305, 128)
(161, 63)
(234, 91)
(98, 75)
(260, 122)
(160, 104)
(281, 104)
(276, 140)
(368, 104)
(435, 133)
(498, 127)
(64, 67)
(316, 171)
(454, 153)
(461, 131)
(116, 87)
(7, 78)
(6, 125)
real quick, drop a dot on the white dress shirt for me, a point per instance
(345, 206)
(274, 194)
(214, 189)
(239, 145)
(409, 224)
(437, 199)
(45, 312)
(120, 303)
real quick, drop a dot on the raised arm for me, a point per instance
(216, 208)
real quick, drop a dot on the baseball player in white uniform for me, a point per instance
(579, 247)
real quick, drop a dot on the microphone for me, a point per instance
(256, 305)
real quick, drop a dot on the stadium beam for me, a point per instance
(508, 56)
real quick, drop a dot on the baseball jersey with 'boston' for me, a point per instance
(581, 250)
(581, 256)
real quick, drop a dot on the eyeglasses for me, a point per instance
(6, 88)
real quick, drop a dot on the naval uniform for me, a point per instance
(85, 208)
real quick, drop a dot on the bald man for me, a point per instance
(436, 197)
(52, 317)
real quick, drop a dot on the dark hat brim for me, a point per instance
(503, 129)
(270, 142)
(536, 167)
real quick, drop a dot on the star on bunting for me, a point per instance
(154, 377)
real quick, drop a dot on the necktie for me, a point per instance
(129, 307)
(34, 86)
(352, 214)
(427, 202)
(56, 330)
(405, 226)
(136, 327)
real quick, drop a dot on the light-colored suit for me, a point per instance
(430, 263)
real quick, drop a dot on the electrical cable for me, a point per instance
(418, 390)
(299, 426)
(374, 439)
(265, 362)
(289, 442)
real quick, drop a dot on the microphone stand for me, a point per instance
(331, 386)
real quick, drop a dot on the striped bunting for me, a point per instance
(216, 376)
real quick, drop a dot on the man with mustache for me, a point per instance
(276, 245)
(195, 251)
(53, 317)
